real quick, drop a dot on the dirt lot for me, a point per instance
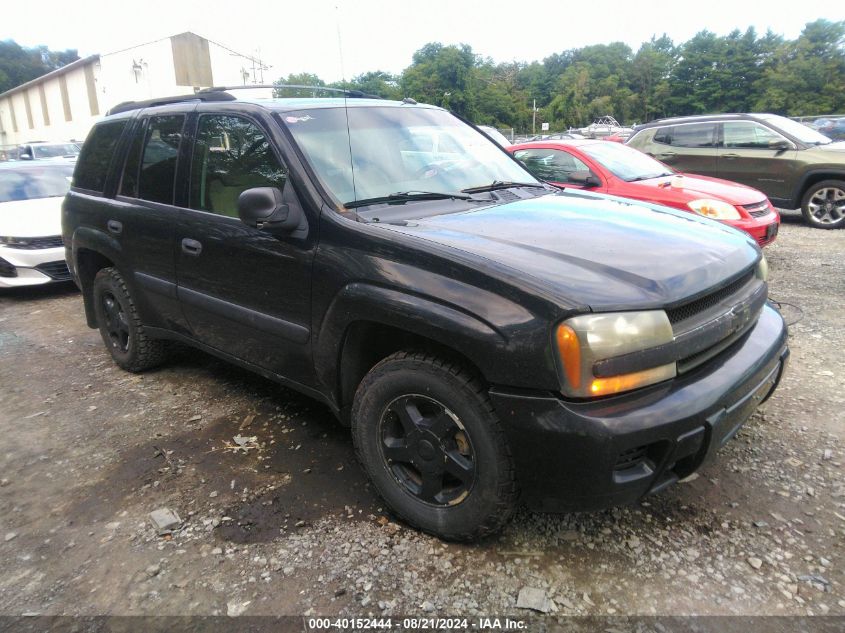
(87, 451)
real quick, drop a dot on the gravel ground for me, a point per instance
(276, 517)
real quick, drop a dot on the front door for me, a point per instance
(745, 157)
(244, 291)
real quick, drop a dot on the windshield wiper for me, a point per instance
(649, 177)
(401, 197)
(502, 184)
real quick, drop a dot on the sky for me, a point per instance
(338, 39)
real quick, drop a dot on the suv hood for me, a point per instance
(603, 252)
(838, 146)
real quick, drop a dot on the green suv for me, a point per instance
(791, 163)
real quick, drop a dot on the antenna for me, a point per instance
(339, 43)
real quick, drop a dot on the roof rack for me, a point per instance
(355, 94)
(220, 93)
(149, 103)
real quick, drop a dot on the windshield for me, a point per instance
(34, 182)
(55, 151)
(382, 151)
(625, 162)
(796, 129)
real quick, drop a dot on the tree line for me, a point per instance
(19, 65)
(738, 72)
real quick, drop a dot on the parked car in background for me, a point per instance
(834, 129)
(41, 151)
(791, 163)
(623, 171)
(495, 134)
(31, 248)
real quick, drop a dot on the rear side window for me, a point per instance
(94, 160)
(158, 166)
(692, 135)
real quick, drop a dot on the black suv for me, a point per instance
(482, 333)
(791, 163)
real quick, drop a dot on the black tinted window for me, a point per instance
(231, 154)
(92, 167)
(694, 135)
(158, 166)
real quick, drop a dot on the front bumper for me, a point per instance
(592, 455)
(764, 229)
(30, 267)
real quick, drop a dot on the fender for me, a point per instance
(498, 349)
(99, 242)
(798, 192)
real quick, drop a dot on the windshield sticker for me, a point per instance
(298, 119)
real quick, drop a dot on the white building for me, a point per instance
(64, 104)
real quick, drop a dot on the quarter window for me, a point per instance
(748, 135)
(231, 154)
(94, 160)
(158, 166)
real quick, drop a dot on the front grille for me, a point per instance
(37, 243)
(6, 269)
(758, 209)
(57, 271)
(693, 308)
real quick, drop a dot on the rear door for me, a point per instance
(745, 157)
(143, 215)
(687, 147)
(244, 291)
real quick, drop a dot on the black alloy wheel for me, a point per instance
(428, 450)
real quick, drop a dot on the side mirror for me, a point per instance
(584, 178)
(25, 156)
(780, 145)
(262, 208)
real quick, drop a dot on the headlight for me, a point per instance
(762, 270)
(716, 209)
(586, 339)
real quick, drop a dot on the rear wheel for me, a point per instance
(428, 437)
(823, 205)
(120, 325)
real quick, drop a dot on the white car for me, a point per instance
(31, 249)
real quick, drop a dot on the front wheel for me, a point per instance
(431, 443)
(823, 205)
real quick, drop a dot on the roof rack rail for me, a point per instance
(149, 103)
(355, 94)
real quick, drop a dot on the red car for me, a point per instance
(623, 171)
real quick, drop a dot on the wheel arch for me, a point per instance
(811, 178)
(92, 251)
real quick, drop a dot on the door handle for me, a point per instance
(115, 227)
(731, 156)
(191, 247)
(667, 155)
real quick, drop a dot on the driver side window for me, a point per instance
(551, 164)
(231, 154)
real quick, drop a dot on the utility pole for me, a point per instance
(534, 118)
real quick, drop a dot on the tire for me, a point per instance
(427, 435)
(120, 325)
(823, 204)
